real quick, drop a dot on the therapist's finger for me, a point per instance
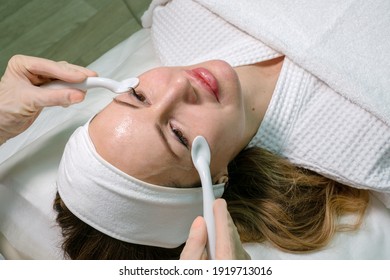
(77, 68)
(45, 97)
(228, 244)
(37, 70)
(222, 229)
(195, 248)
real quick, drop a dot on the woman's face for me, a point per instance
(148, 133)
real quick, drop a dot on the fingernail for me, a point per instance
(76, 98)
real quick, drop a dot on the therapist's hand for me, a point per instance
(21, 98)
(228, 244)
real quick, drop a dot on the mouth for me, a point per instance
(206, 79)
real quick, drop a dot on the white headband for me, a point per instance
(120, 205)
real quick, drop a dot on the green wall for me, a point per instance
(78, 31)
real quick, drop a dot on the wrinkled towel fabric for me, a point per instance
(330, 111)
(121, 206)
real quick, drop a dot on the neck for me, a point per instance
(258, 83)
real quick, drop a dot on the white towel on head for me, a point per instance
(120, 205)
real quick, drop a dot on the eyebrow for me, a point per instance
(125, 103)
(165, 141)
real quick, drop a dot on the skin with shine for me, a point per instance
(148, 132)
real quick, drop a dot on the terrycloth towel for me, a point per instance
(177, 43)
(121, 206)
(317, 128)
(345, 43)
(334, 81)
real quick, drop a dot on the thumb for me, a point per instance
(45, 97)
(196, 242)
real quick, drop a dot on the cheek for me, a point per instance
(220, 126)
(122, 128)
(224, 138)
(153, 79)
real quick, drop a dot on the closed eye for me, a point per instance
(180, 136)
(139, 96)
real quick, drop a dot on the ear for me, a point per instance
(222, 177)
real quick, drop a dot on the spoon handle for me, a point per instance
(93, 82)
(208, 202)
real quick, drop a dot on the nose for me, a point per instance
(177, 94)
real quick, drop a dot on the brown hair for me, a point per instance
(82, 242)
(296, 210)
(268, 198)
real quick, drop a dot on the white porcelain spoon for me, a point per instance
(200, 153)
(93, 82)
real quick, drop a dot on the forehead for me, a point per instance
(135, 146)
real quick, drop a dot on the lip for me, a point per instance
(206, 79)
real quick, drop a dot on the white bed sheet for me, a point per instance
(28, 166)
